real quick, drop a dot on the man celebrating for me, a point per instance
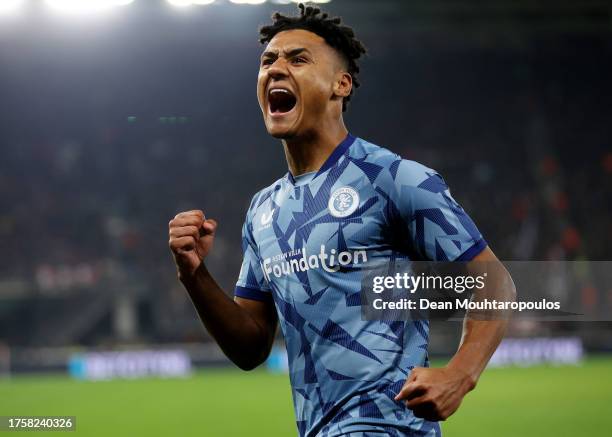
(308, 239)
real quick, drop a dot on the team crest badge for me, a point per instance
(343, 202)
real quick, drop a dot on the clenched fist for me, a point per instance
(434, 394)
(191, 239)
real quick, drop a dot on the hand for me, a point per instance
(191, 239)
(435, 394)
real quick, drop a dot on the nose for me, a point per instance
(278, 70)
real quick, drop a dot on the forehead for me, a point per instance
(290, 39)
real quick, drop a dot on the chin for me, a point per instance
(281, 132)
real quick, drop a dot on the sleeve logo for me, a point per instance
(343, 202)
(266, 219)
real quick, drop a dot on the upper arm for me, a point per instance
(499, 281)
(263, 313)
(486, 255)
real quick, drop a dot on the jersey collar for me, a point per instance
(332, 159)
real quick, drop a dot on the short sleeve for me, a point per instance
(437, 226)
(251, 282)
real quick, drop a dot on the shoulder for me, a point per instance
(392, 171)
(262, 195)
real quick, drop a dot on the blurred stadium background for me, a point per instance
(114, 119)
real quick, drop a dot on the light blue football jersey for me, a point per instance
(307, 243)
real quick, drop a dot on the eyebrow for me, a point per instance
(290, 53)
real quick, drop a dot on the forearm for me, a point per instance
(484, 330)
(479, 341)
(241, 338)
(435, 394)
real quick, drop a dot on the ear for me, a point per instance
(343, 84)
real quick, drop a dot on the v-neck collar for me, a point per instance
(332, 159)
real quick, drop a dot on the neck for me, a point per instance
(309, 152)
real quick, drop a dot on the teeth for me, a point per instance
(279, 90)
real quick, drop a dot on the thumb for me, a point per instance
(209, 226)
(410, 390)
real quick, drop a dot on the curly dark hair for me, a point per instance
(341, 38)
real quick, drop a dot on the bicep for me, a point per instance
(499, 282)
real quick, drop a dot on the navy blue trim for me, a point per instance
(290, 177)
(332, 159)
(336, 154)
(471, 253)
(253, 294)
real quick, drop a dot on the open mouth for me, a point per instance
(281, 101)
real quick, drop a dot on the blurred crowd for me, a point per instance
(521, 135)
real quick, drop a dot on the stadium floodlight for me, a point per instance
(180, 3)
(183, 3)
(85, 6)
(7, 6)
(248, 2)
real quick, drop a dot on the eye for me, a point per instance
(267, 61)
(298, 60)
